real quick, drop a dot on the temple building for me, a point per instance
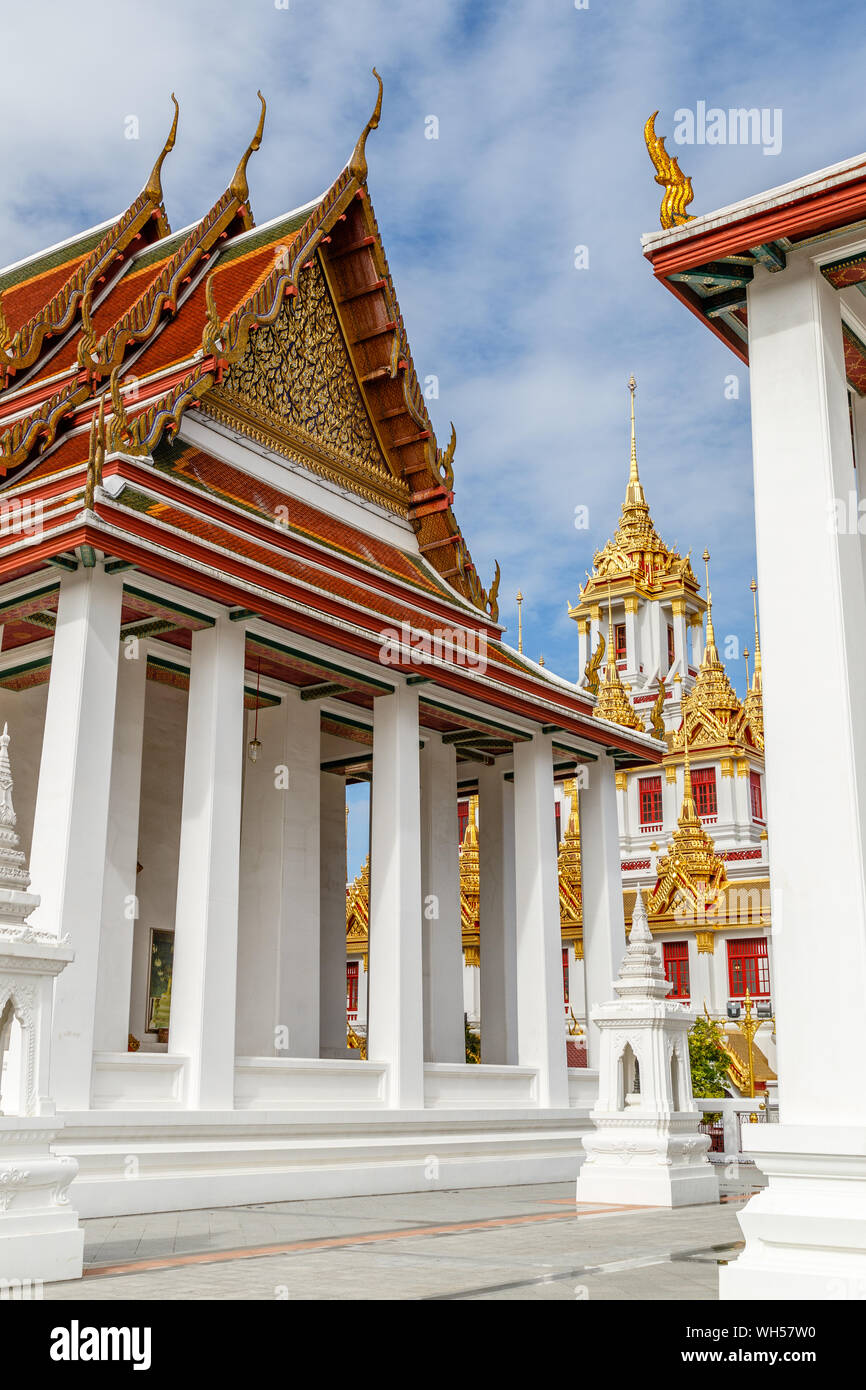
(693, 832)
(231, 582)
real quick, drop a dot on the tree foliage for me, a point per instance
(473, 1043)
(708, 1061)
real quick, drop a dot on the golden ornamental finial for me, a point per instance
(358, 162)
(746, 658)
(758, 673)
(634, 493)
(520, 622)
(153, 187)
(678, 188)
(711, 652)
(239, 186)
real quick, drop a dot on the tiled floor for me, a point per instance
(486, 1243)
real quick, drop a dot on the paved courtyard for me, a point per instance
(484, 1243)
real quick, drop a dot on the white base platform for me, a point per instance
(40, 1240)
(805, 1232)
(642, 1162)
(135, 1162)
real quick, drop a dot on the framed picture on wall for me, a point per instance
(159, 986)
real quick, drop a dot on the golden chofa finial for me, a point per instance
(520, 622)
(678, 188)
(239, 186)
(153, 187)
(358, 162)
(756, 682)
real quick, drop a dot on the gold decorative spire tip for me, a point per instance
(153, 187)
(239, 186)
(358, 162)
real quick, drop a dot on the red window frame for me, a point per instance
(462, 820)
(672, 654)
(749, 967)
(565, 973)
(649, 790)
(351, 987)
(756, 797)
(676, 960)
(704, 790)
(620, 645)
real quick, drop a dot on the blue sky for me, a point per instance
(540, 110)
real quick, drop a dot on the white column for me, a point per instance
(540, 1034)
(583, 652)
(697, 629)
(681, 645)
(67, 861)
(440, 887)
(396, 1033)
(261, 900)
(298, 997)
(806, 1235)
(119, 894)
(332, 908)
(634, 655)
(603, 922)
(498, 929)
(701, 978)
(202, 1026)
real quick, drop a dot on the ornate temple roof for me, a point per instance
(636, 559)
(570, 879)
(146, 325)
(613, 703)
(148, 379)
(713, 715)
(690, 874)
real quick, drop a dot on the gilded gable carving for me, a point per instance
(296, 376)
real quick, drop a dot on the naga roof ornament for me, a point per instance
(358, 161)
(678, 187)
(59, 313)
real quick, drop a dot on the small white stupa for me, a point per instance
(40, 1239)
(646, 1148)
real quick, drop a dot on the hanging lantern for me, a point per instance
(255, 744)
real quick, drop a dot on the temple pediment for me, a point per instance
(297, 383)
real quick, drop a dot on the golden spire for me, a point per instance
(753, 705)
(710, 653)
(358, 162)
(746, 659)
(153, 187)
(520, 622)
(690, 867)
(634, 494)
(713, 706)
(239, 186)
(757, 677)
